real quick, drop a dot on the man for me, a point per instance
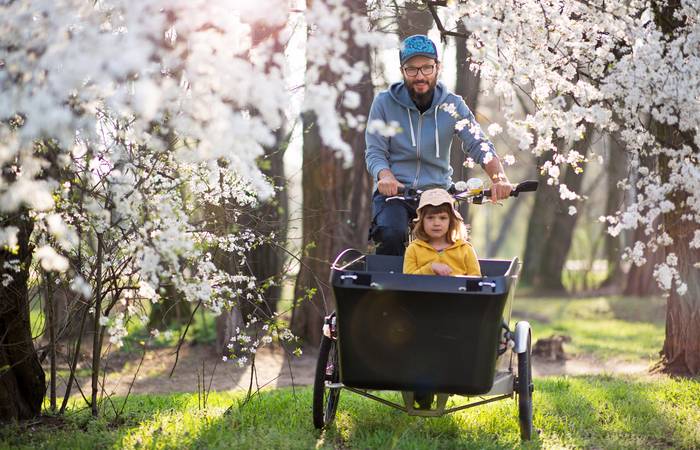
(418, 155)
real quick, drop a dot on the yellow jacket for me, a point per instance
(460, 256)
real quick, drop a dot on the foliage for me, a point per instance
(123, 124)
(616, 66)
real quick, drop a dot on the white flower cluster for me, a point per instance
(246, 342)
(331, 23)
(603, 67)
(126, 153)
(382, 128)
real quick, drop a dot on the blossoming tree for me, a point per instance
(627, 67)
(120, 121)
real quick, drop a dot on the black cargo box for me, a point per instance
(420, 332)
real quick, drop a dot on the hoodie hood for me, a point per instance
(399, 92)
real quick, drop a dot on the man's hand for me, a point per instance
(501, 189)
(441, 269)
(388, 185)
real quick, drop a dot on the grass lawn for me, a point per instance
(622, 328)
(573, 412)
(602, 411)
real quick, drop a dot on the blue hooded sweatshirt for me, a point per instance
(419, 153)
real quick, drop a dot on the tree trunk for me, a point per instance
(616, 171)
(640, 279)
(466, 85)
(322, 180)
(503, 231)
(413, 18)
(539, 225)
(681, 350)
(336, 208)
(22, 383)
(266, 261)
(556, 247)
(67, 308)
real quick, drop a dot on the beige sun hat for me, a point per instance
(437, 197)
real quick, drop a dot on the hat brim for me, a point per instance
(454, 211)
(426, 54)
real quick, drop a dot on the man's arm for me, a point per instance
(377, 153)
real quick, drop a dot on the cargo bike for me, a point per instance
(416, 333)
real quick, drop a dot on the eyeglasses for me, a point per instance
(425, 70)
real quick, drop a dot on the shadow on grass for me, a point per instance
(603, 412)
(573, 412)
(360, 423)
(580, 412)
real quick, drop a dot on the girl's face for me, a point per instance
(436, 224)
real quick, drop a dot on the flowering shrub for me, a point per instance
(123, 122)
(629, 68)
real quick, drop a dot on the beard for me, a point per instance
(423, 99)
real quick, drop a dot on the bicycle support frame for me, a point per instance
(408, 398)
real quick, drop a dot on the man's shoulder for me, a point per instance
(383, 95)
(452, 97)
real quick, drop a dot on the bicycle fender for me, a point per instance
(522, 330)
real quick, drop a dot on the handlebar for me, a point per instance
(408, 194)
(523, 186)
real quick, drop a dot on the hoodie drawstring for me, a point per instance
(413, 137)
(437, 137)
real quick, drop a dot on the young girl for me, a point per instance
(439, 246)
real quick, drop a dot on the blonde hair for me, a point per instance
(456, 230)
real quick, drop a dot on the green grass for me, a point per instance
(573, 412)
(623, 328)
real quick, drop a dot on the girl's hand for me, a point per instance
(441, 269)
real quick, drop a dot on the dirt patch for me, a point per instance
(201, 365)
(275, 368)
(586, 365)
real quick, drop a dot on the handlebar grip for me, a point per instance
(523, 186)
(405, 191)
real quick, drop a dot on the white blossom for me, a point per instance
(8, 236)
(377, 126)
(50, 260)
(494, 129)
